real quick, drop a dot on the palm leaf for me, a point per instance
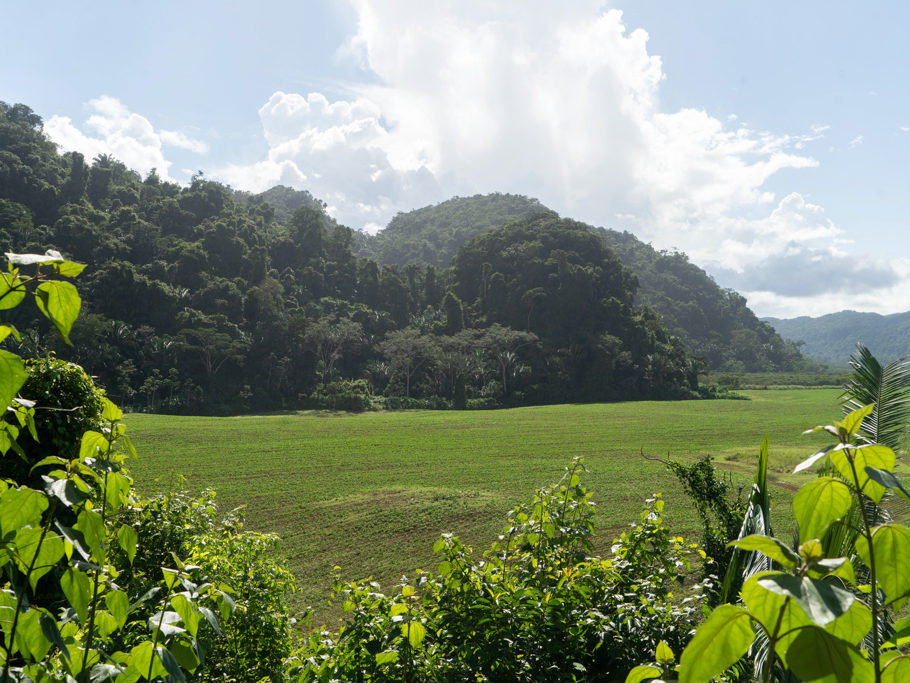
(888, 387)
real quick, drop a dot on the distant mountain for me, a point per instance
(831, 338)
(714, 323)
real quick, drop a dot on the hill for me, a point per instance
(832, 338)
(715, 324)
(432, 235)
(199, 299)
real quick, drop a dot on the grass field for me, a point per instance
(371, 492)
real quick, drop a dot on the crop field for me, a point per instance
(372, 492)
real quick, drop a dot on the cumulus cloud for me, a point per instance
(558, 101)
(114, 130)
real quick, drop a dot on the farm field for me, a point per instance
(372, 492)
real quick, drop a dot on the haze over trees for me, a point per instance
(228, 301)
(832, 338)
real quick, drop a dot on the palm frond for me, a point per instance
(888, 387)
(757, 520)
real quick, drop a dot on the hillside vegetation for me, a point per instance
(199, 299)
(714, 324)
(832, 338)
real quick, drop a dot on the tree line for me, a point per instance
(202, 299)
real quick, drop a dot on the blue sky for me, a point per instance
(766, 140)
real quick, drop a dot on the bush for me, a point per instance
(536, 606)
(67, 404)
(351, 396)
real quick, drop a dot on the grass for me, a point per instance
(372, 492)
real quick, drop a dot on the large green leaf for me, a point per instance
(776, 612)
(819, 503)
(891, 544)
(897, 670)
(852, 626)
(822, 602)
(643, 673)
(77, 587)
(12, 291)
(770, 547)
(60, 302)
(12, 376)
(39, 550)
(19, 508)
(30, 637)
(717, 644)
(91, 525)
(873, 455)
(816, 655)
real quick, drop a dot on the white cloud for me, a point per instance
(856, 142)
(112, 129)
(559, 101)
(905, 129)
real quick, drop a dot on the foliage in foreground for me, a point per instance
(536, 606)
(93, 587)
(819, 617)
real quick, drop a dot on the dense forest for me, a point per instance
(715, 324)
(204, 299)
(832, 338)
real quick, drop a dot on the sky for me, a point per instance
(768, 141)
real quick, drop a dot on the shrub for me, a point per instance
(536, 606)
(67, 404)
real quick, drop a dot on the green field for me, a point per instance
(371, 492)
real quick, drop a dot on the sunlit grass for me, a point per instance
(372, 492)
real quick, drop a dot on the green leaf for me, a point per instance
(68, 268)
(819, 503)
(119, 604)
(185, 654)
(20, 508)
(12, 376)
(643, 673)
(886, 479)
(891, 545)
(852, 626)
(7, 330)
(822, 602)
(851, 423)
(38, 550)
(387, 657)
(94, 444)
(77, 587)
(816, 655)
(415, 632)
(664, 655)
(116, 491)
(12, 291)
(897, 670)
(812, 459)
(770, 546)
(110, 412)
(143, 656)
(717, 644)
(188, 613)
(60, 302)
(30, 638)
(91, 525)
(128, 540)
(875, 456)
(170, 665)
(105, 623)
(773, 611)
(170, 577)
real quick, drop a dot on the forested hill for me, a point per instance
(715, 324)
(832, 338)
(199, 299)
(432, 235)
